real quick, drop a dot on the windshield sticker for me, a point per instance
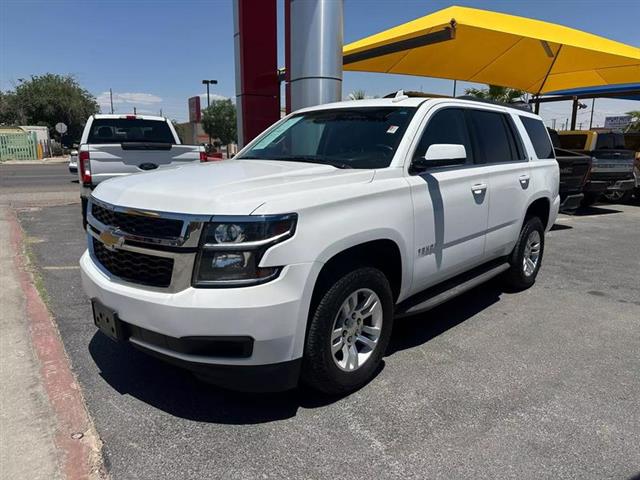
(392, 129)
(275, 133)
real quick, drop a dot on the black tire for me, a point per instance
(84, 202)
(319, 370)
(590, 199)
(516, 278)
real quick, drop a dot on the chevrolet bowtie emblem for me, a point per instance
(111, 239)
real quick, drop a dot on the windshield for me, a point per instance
(123, 130)
(345, 138)
(575, 141)
(610, 141)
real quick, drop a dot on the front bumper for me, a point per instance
(273, 314)
(622, 185)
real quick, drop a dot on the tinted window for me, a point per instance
(122, 130)
(573, 141)
(356, 137)
(610, 141)
(539, 137)
(494, 138)
(446, 126)
(632, 141)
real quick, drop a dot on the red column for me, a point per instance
(256, 49)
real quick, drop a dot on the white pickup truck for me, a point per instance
(117, 145)
(289, 262)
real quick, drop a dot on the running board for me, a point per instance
(434, 296)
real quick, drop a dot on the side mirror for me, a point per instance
(441, 155)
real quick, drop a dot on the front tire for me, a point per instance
(526, 258)
(349, 332)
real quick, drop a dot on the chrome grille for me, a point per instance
(135, 267)
(144, 226)
(148, 248)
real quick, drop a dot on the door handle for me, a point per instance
(524, 181)
(479, 188)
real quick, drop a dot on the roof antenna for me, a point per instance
(399, 96)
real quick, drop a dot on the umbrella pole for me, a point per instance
(574, 113)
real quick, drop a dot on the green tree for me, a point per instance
(48, 99)
(634, 126)
(496, 93)
(219, 121)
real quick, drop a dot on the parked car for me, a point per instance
(574, 171)
(632, 142)
(289, 262)
(612, 164)
(118, 145)
(73, 162)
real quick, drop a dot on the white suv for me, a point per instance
(291, 261)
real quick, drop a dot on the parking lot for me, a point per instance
(539, 384)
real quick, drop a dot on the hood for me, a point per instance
(230, 187)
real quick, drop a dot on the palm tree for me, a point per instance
(634, 125)
(358, 95)
(496, 93)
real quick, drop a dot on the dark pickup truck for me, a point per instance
(574, 170)
(611, 171)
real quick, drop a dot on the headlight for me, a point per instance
(231, 249)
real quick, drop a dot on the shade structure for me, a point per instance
(461, 43)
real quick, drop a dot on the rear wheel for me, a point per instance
(526, 257)
(349, 332)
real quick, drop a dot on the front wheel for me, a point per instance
(348, 332)
(526, 257)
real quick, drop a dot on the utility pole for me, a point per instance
(455, 82)
(134, 111)
(111, 99)
(593, 106)
(207, 83)
(553, 123)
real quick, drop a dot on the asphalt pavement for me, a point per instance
(37, 184)
(538, 384)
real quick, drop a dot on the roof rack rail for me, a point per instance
(414, 94)
(519, 105)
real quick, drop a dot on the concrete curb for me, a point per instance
(44, 161)
(75, 437)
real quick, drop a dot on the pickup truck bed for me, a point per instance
(118, 145)
(574, 169)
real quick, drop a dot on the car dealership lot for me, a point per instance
(539, 384)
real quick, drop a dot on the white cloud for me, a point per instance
(129, 98)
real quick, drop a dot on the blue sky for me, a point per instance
(153, 54)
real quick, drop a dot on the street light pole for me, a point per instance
(207, 83)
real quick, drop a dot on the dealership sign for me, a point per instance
(621, 121)
(195, 114)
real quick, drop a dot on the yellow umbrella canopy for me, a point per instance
(487, 47)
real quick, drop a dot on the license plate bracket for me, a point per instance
(107, 321)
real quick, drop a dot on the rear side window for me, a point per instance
(446, 126)
(539, 137)
(122, 130)
(495, 137)
(573, 141)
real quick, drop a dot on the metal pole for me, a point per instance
(316, 33)
(574, 113)
(454, 88)
(593, 106)
(111, 99)
(208, 99)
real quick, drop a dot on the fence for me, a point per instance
(18, 146)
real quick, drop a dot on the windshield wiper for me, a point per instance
(310, 159)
